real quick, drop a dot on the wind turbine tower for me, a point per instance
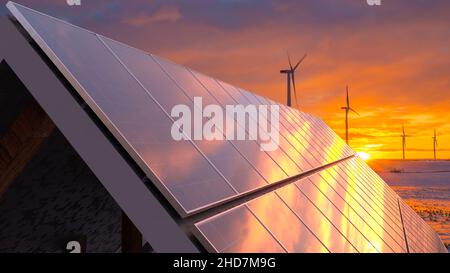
(404, 136)
(435, 143)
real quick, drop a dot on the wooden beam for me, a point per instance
(131, 237)
(21, 142)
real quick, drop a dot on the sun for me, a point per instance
(363, 156)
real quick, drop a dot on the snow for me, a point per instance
(425, 185)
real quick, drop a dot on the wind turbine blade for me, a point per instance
(299, 62)
(348, 99)
(351, 109)
(295, 91)
(289, 59)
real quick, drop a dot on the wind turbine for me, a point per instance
(291, 75)
(347, 109)
(435, 143)
(403, 136)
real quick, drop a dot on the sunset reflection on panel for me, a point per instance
(238, 231)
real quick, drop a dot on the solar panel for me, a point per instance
(338, 199)
(310, 195)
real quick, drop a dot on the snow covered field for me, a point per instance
(425, 185)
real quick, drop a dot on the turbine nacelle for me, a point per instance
(435, 138)
(348, 108)
(404, 135)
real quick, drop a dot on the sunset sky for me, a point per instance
(395, 58)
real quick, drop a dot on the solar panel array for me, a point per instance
(342, 207)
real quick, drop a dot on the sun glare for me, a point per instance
(363, 156)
